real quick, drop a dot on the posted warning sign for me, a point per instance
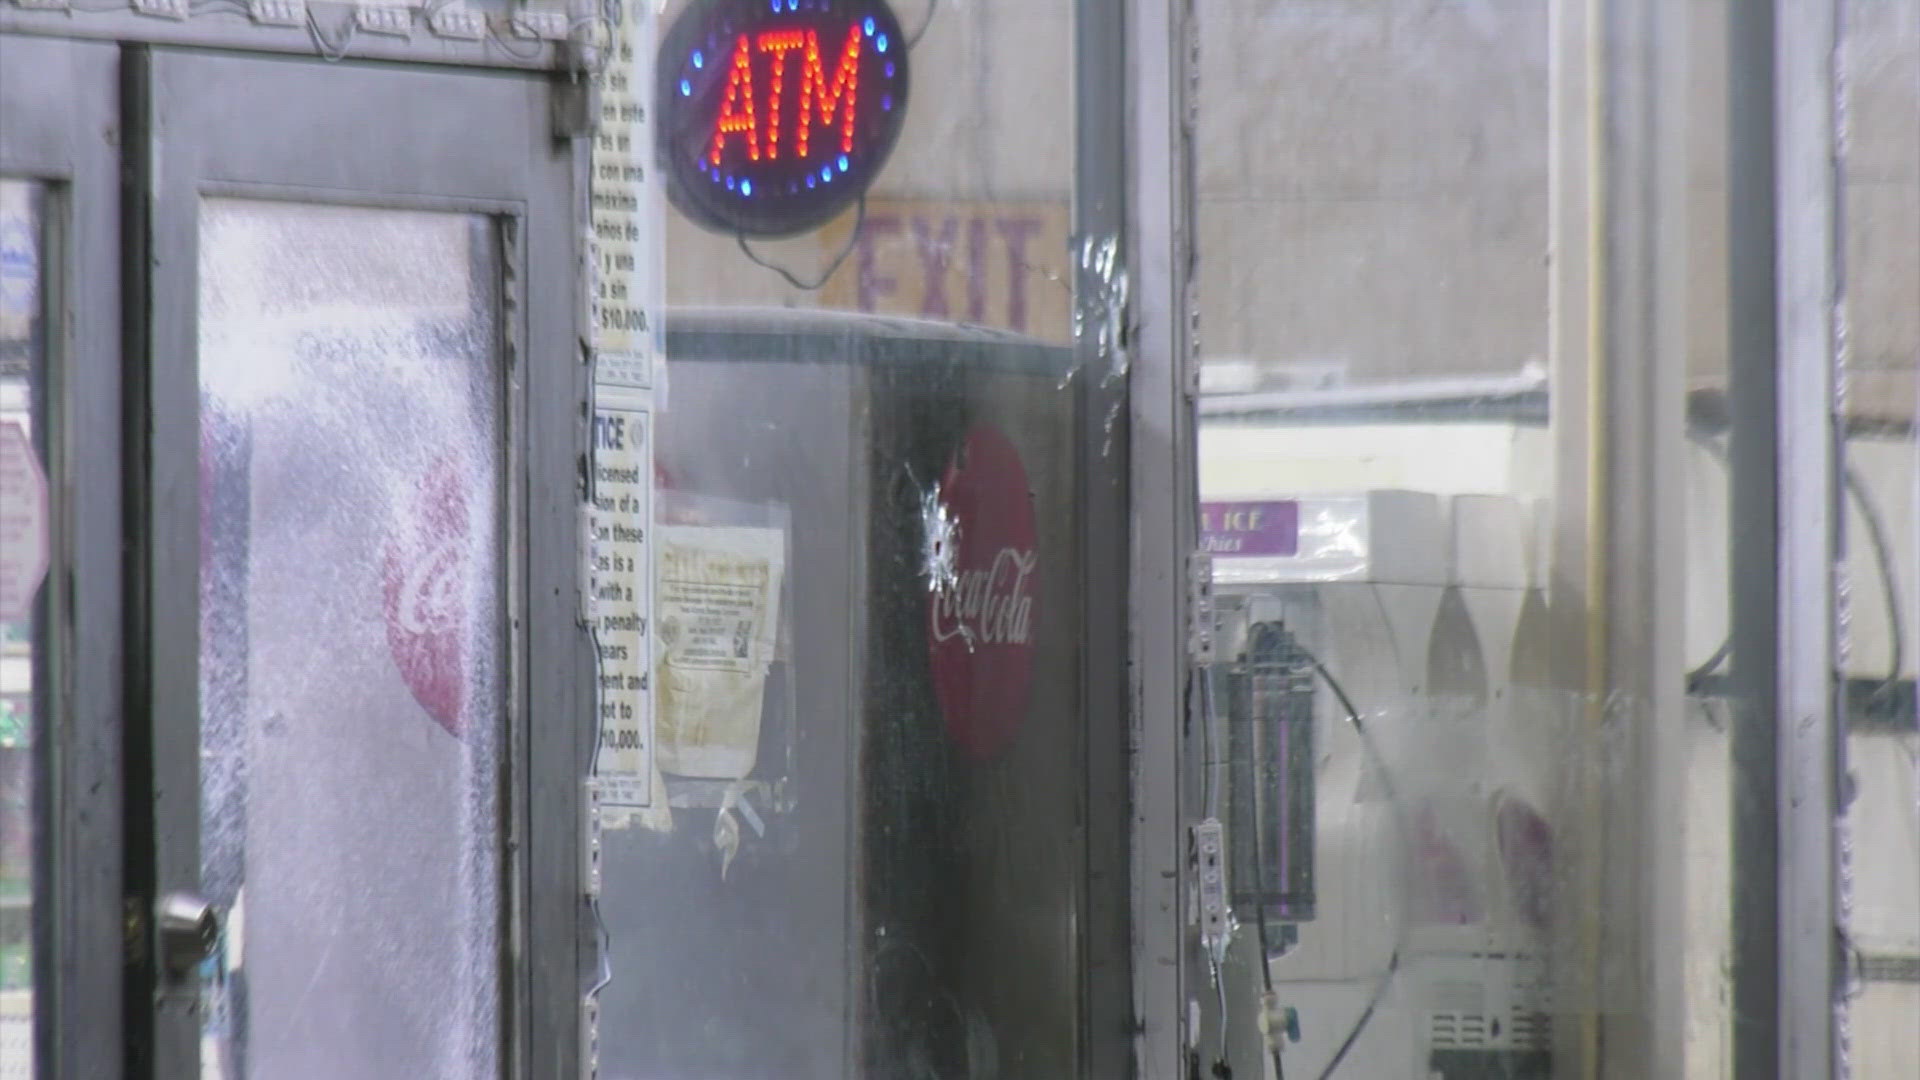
(629, 207)
(622, 584)
(719, 611)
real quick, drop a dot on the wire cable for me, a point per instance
(853, 238)
(926, 21)
(330, 52)
(1403, 827)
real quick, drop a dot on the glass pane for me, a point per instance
(865, 854)
(1879, 62)
(25, 659)
(352, 640)
(1454, 629)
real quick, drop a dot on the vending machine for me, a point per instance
(869, 859)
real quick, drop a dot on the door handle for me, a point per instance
(189, 930)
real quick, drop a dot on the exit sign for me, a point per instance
(776, 115)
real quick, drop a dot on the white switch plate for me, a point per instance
(278, 12)
(162, 9)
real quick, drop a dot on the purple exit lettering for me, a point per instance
(934, 249)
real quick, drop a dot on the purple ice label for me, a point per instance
(1250, 528)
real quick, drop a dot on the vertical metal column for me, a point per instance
(1782, 286)
(1104, 82)
(1809, 738)
(1752, 522)
(1162, 485)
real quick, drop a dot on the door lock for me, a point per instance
(189, 930)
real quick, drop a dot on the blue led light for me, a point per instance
(843, 163)
(881, 42)
(886, 102)
(776, 6)
(746, 187)
(811, 181)
(826, 174)
(869, 26)
(730, 184)
(700, 60)
(793, 5)
(889, 69)
(686, 88)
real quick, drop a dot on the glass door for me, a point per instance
(364, 416)
(59, 567)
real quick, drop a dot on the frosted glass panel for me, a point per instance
(350, 640)
(23, 639)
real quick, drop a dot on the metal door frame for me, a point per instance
(204, 124)
(64, 132)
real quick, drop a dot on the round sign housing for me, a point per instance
(776, 115)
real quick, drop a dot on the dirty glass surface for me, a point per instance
(1466, 548)
(1878, 65)
(25, 656)
(352, 639)
(864, 851)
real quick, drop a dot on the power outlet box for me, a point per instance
(1210, 858)
(162, 9)
(590, 840)
(384, 19)
(278, 12)
(544, 25)
(590, 1037)
(458, 21)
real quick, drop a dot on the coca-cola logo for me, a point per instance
(984, 609)
(426, 583)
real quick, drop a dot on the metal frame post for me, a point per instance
(1163, 485)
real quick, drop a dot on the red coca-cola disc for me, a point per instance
(983, 622)
(426, 586)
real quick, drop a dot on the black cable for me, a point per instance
(853, 238)
(914, 38)
(1882, 557)
(1393, 799)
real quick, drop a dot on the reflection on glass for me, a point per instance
(1390, 234)
(22, 648)
(868, 858)
(351, 640)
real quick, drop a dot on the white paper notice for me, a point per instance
(719, 617)
(629, 208)
(622, 584)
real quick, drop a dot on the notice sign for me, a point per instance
(719, 612)
(622, 584)
(629, 208)
(23, 522)
(1250, 528)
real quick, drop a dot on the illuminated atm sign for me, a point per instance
(777, 114)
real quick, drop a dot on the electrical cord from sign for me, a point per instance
(925, 21)
(330, 52)
(833, 267)
(860, 212)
